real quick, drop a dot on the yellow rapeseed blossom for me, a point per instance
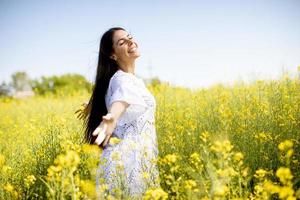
(6, 170)
(195, 157)
(216, 113)
(120, 167)
(146, 175)
(221, 146)
(29, 180)
(70, 159)
(285, 145)
(195, 161)
(286, 193)
(170, 158)
(238, 156)
(155, 194)
(88, 188)
(9, 188)
(284, 174)
(114, 140)
(116, 156)
(263, 136)
(227, 172)
(2, 160)
(260, 173)
(54, 169)
(204, 136)
(221, 190)
(190, 185)
(91, 149)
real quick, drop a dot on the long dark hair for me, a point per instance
(105, 70)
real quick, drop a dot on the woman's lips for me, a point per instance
(132, 50)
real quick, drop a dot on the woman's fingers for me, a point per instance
(106, 140)
(100, 129)
(107, 116)
(96, 131)
(101, 136)
(103, 129)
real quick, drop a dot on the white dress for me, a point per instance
(130, 164)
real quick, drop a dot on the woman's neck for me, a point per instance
(128, 67)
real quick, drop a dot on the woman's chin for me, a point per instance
(136, 55)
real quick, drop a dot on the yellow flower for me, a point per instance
(222, 147)
(260, 173)
(91, 149)
(228, 172)
(6, 169)
(70, 159)
(114, 140)
(146, 175)
(289, 153)
(103, 187)
(170, 158)
(87, 187)
(227, 145)
(204, 136)
(263, 136)
(195, 161)
(221, 190)
(195, 157)
(286, 192)
(155, 194)
(238, 156)
(8, 187)
(284, 174)
(115, 156)
(29, 180)
(285, 145)
(2, 160)
(245, 172)
(120, 167)
(190, 185)
(258, 189)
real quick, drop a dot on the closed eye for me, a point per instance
(121, 42)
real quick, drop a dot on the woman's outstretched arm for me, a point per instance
(109, 121)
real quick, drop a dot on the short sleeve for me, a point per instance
(124, 88)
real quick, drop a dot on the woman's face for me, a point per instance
(125, 47)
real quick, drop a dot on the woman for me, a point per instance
(127, 109)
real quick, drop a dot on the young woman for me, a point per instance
(122, 104)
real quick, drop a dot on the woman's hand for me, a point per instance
(84, 111)
(105, 129)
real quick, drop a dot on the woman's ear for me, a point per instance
(113, 57)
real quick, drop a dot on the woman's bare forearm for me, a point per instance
(117, 109)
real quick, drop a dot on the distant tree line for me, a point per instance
(66, 84)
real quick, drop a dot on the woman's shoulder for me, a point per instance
(118, 80)
(121, 77)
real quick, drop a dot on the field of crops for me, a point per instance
(237, 142)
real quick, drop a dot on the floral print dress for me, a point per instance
(127, 163)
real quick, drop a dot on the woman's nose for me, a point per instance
(129, 42)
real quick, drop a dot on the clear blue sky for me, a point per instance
(189, 43)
